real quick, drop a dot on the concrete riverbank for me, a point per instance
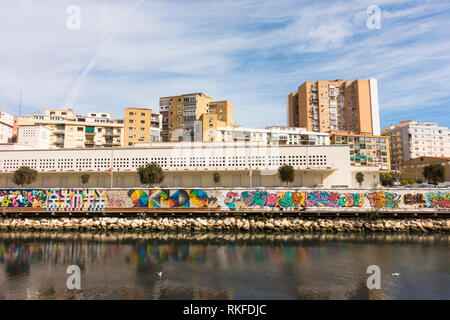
(256, 224)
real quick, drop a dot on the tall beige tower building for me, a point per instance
(335, 105)
(182, 115)
(141, 125)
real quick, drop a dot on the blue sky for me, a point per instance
(251, 52)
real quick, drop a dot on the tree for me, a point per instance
(24, 175)
(405, 182)
(434, 173)
(286, 173)
(386, 179)
(151, 174)
(360, 178)
(216, 178)
(85, 178)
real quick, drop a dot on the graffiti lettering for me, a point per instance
(99, 199)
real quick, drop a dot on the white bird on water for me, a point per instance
(159, 274)
(395, 274)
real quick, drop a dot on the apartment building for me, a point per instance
(68, 130)
(219, 114)
(224, 111)
(182, 116)
(271, 135)
(141, 125)
(365, 149)
(335, 105)
(6, 127)
(293, 135)
(412, 139)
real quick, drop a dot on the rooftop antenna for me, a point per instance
(20, 103)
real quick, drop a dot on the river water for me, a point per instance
(224, 266)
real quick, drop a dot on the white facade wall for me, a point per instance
(422, 139)
(315, 165)
(37, 137)
(375, 109)
(5, 133)
(273, 135)
(6, 126)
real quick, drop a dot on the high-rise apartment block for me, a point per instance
(182, 116)
(141, 125)
(413, 139)
(365, 149)
(326, 106)
(97, 129)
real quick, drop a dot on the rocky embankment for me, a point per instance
(273, 225)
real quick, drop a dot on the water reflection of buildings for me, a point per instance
(198, 270)
(29, 253)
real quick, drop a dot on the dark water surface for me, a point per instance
(33, 266)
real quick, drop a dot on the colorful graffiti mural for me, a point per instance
(23, 198)
(252, 199)
(183, 198)
(288, 199)
(414, 198)
(439, 199)
(101, 199)
(76, 200)
(383, 199)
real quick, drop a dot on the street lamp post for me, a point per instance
(111, 168)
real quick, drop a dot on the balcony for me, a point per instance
(113, 144)
(111, 134)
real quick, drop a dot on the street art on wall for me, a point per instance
(439, 199)
(23, 198)
(76, 200)
(101, 199)
(262, 199)
(183, 198)
(414, 198)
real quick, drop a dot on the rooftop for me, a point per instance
(187, 94)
